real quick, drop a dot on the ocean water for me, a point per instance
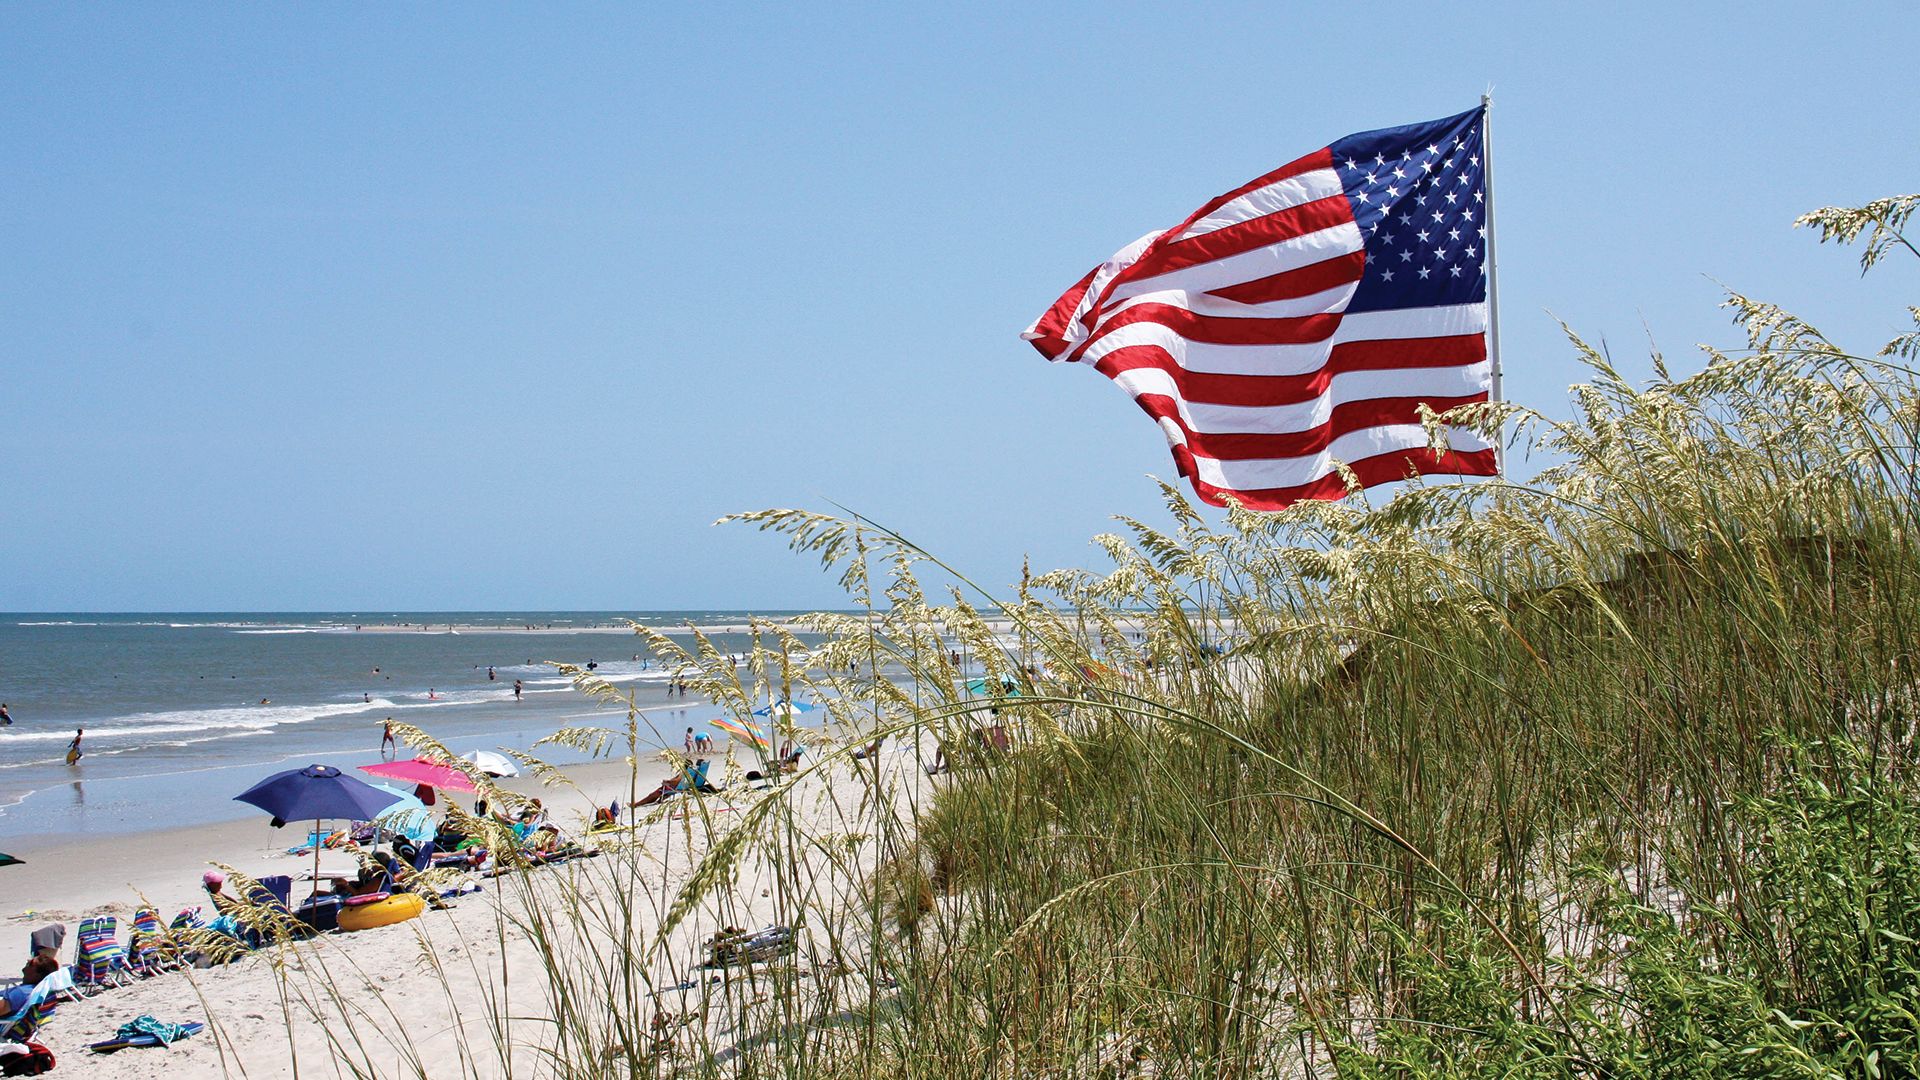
(182, 712)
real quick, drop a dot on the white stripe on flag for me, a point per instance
(1320, 303)
(1293, 191)
(1443, 382)
(1121, 259)
(1204, 358)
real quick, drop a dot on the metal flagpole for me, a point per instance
(1493, 280)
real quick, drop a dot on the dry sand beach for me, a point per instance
(420, 1020)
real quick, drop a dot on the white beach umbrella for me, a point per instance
(492, 764)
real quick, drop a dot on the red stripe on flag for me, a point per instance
(1319, 159)
(1380, 469)
(1221, 329)
(1348, 416)
(1291, 284)
(1271, 390)
(1050, 329)
(1240, 238)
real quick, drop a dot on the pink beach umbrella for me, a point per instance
(422, 771)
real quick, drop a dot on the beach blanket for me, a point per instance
(146, 1031)
(25, 1059)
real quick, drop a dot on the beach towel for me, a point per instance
(46, 996)
(305, 847)
(25, 1059)
(163, 1033)
(49, 938)
(146, 1031)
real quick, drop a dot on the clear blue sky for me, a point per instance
(476, 306)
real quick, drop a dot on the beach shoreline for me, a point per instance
(376, 973)
(65, 877)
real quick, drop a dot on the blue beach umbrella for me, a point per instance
(783, 708)
(316, 792)
(1007, 687)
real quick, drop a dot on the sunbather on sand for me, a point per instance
(14, 998)
(374, 877)
(215, 882)
(667, 787)
(545, 840)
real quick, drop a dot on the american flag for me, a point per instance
(1303, 318)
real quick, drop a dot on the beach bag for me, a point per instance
(38, 1059)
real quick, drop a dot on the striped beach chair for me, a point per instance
(152, 949)
(100, 960)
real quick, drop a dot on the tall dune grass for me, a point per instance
(1610, 773)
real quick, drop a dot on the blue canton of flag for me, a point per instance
(1419, 196)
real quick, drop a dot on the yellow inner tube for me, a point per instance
(396, 908)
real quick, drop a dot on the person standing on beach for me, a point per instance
(689, 741)
(73, 748)
(386, 739)
(516, 689)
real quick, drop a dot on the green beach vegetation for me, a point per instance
(1611, 773)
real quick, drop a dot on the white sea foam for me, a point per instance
(229, 721)
(76, 622)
